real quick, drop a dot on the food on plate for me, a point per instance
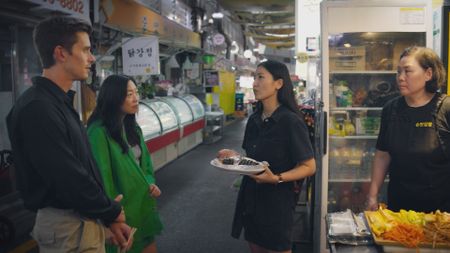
(238, 164)
(227, 153)
(228, 161)
(410, 228)
(238, 161)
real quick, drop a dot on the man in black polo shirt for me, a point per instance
(56, 173)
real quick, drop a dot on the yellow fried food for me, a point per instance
(410, 228)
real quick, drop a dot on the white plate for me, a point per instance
(241, 169)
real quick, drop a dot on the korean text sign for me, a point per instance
(140, 56)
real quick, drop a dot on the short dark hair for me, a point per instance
(285, 94)
(111, 97)
(57, 31)
(427, 58)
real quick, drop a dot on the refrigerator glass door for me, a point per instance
(181, 108)
(148, 121)
(362, 78)
(196, 105)
(166, 115)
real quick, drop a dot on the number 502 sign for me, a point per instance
(78, 8)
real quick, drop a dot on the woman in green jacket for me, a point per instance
(124, 161)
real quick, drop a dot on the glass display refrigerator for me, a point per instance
(193, 133)
(181, 109)
(190, 130)
(361, 46)
(162, 147)
(148, 121)
(165, 114)
(196, 106)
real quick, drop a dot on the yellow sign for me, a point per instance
(302, 57)
(226, 91)
(135, 18)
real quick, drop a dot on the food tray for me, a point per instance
(380, 241)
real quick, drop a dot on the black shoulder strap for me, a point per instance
(439, 103)
(436, 112)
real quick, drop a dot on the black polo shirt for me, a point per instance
(419, 171)
(282, 139)
(54, 164)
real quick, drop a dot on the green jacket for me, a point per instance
(122, 175)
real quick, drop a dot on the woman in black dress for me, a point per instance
(276, 133)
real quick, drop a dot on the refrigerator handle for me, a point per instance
(325, 129)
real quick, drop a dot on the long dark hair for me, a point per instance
(285, 94)
(113, 92)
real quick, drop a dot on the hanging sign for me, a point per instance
(218, 39)
(140, 56)
(76, 8)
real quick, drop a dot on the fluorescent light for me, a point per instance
(217, 15)
(280, 35)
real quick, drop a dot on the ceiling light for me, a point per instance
(217, 15)
(234, 49)
(248, 53)
(280, 35)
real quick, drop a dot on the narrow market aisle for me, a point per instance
(197, 201)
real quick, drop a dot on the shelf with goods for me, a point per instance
(213, 130)
(360, 54)
(356, 100)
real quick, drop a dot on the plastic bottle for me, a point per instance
(349, 128)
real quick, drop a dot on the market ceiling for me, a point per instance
(270, 22)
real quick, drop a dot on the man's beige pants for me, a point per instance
(61, 231)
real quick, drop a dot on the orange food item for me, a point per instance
(407, 234)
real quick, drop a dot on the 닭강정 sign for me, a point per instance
(140, 56)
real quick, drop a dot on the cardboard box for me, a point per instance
(347, 58)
